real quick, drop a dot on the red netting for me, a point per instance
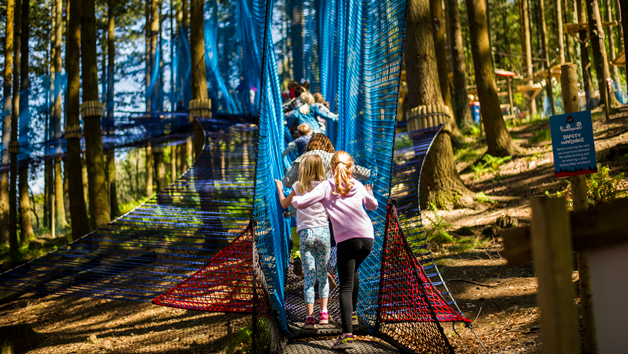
(410, 309)
(225, 284)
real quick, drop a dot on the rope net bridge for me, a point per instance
(216, 238)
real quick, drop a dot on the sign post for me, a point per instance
(577, 157)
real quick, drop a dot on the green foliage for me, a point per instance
(467, 154)
(240, 342)
(541, 135)
(437, 235)
(474, 130)
(403, 142)
(601, 187)
(483, 198)
(489, 164)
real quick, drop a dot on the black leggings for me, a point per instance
(351, 253)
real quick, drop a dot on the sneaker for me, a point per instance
(323, 318)
(344, 342)
(354, 319)
(309, 323)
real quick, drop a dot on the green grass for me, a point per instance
(540, 136)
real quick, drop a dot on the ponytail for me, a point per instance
(343, 167)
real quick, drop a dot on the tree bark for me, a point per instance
(26, 227)
(199, 77)
(624, 25)
(97, 184)
(560, 35)
(78, 208)
(526, 46)
(147, 55)
(160, 168)
(622, 13)
(59, 198)
(584, 56)
(440, 182)
(297, 25)
(611, 44)
(111, 152)
(154, 38)
(546, 63)
(596, 32)
(173, 163)
(497, 137)
(149, 170)
(6, 122)
(13, 144)
(566, 12)
(440, 45)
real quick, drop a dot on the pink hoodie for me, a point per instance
(346, 213)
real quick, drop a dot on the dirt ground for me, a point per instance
(499, 300)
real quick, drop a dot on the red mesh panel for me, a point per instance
(406, 293)
(225, 284)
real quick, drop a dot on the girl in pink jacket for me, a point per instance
(344, 198)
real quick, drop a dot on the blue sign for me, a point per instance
(573, 144)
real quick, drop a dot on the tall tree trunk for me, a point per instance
(6, 120)
(567, 19)
(147, 55)
(596, 32)
(14, 148)
(160, 168)
(440, 182)
(97, 184)
(497, 137)
(149, 170)
(461, 110)
(73, 133)
(155, 28)
(526, 46)
(560, 35)
(173, 163)
(173, 104)
(440, 45)
(111, 152)
(50, 164)
(584, 56)
(59, 198)
(199, 78)
(297, 26)
(26, 227)
(624, 25)
(546, 63)
(621, 14)
(611, 44)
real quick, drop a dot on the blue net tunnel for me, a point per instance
(225, 208)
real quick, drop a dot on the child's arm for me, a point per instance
(316, 195)
(292, 176)
(285, 201)
(291, 147)
(370, 203)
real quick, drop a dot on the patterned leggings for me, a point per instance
(315, 249)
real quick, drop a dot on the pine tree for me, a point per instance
(92, 113)
(460, 101)
(440, 45)
(59, 198)
(111, 152)
(526, 46)
(440, 182)
(596, 33)
(26, 227)
(197, 44)
(546, 62)
(584, 55)
(76, 182)
(13, 144)
(6, 119)
(497, 137)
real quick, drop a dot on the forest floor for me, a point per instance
(500, 300)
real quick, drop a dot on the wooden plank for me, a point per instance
(597, 228)
(553, 262)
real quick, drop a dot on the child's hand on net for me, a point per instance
(369, 187)
(279, 185)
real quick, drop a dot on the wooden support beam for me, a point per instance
(553, 261)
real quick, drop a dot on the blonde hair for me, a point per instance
(310, 169)
(304, 129)
(306, 98)
(318, 98)
(342, 164)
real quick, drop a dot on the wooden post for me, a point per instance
(552, 253)
(510, 100)
(569, 80)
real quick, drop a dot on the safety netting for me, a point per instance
(156, 246)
